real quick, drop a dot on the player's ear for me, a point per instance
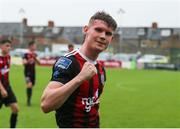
(112, 39)
(85, 29)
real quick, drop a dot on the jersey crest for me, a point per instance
(63, 63)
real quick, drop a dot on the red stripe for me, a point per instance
(93, 113)
(78, 106)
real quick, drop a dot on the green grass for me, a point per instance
(29, 116)
(144, 98)
(131, 98)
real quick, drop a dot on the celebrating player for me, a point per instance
(78, 79)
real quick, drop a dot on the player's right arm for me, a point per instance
(37, 60)
(3, 91)
(56, 93)
(24, 60)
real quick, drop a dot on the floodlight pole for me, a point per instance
(120, 13)
(22, 13)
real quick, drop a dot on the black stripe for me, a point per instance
(95, 122)
(91, 87)
(99, 78)
(63, 120)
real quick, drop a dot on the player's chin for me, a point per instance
(6, 52)
(100, 49)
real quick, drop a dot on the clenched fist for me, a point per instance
(88, 71)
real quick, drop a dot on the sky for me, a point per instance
(127, 13)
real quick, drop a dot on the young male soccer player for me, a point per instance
(7, 96)
(29, 61)
(70, 47)
(78, 79)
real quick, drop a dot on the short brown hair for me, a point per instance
(31, 43)
(70, 45)
(101, 15)
(5, 41)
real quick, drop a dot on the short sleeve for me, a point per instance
(24, 56)
(62, 70)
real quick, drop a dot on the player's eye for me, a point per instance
(109, 33)
(98, 30)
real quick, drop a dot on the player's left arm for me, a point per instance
(37, 60)
(24, 59)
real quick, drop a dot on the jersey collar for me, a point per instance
(2, 54)
(86, 58)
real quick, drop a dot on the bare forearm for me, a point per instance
(37, 61)
(54, 98)
(56, 94)
(24, 61)
(1, 86)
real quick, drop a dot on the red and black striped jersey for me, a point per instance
(81, 108)
(4, 69)
(30, 66)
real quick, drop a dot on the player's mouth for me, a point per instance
(102, 43)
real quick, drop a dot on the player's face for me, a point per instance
(5, 48)
(32, 47)
(98, 35)
(71, 49)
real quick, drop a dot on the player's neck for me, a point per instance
(88, 53)
(31, 51)
(4, 53)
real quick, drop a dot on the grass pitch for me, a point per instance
(131, 98)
